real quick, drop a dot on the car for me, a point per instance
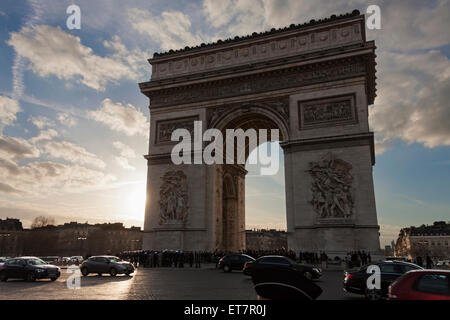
(51, 259)
(106, 264)
(281, 262)
(28, 268)
(232, 262)
(2, 260)
(76, 259)
(356, 282)
(421, 285)
(443, 264)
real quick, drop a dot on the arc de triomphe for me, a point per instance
(314, 83)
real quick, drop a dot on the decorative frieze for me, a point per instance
(276, 47)
(279, 105)
(165, 128)
(330, 111)
(283, 79)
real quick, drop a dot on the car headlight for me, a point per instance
(317, 270)
(40, 270)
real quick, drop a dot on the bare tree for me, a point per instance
(42, 221)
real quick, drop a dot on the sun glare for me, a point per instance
(133, 205)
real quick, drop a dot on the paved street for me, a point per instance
(159, 283)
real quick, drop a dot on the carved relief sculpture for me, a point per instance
(335, 110)
(165, 128)
(173, 198)
(331, 187)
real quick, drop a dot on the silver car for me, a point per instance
(106, 264)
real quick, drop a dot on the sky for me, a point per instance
(74, 125)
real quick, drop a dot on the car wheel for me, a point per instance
(128, 273)
(84, 271)
(3, 277)
(53, 279)
(31, 277)
(226, 268)
(308, 275)
(373, 294)
(113, 272)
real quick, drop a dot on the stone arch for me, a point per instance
(314, 84)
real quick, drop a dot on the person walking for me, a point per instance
(429, 262)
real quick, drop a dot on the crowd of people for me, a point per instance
(168, 258)
(180, 259)
(358, 259)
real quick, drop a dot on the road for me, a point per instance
(158, 284)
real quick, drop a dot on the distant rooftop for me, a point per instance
(256, 35)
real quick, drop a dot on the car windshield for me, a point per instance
(35, 262)
(114, 259)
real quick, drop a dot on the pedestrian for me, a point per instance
(429, 262)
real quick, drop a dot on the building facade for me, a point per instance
(433, 240)
(268, 240)
(11, 237)
(70, 239)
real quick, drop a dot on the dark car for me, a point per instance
(106, 264)
(28, 268)
(277, 283)
(234, 262)
(421, 285)
(356, 282)
(282, 263)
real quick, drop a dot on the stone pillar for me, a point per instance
(328, 169)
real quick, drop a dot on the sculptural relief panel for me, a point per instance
(165, 128)
(331, 188)
(324, 112)
(173, 198)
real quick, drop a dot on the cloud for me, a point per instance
(17, 148)
(66, 119)
(6, 188)
(42, 122)
(136, 59)
(414, 25)
(51, 51)
(171, 30)
(123, 162)
(127, 119)
(218, 13)
(413, 99)
(8, 110)
(125, 152)
(50, 177)
(73, 153)
(240, 17)
(45, 135)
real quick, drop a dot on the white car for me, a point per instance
(77, 259)
(2, 260)
(443, 263)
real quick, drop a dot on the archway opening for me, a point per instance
(265, 204)
(243, 185)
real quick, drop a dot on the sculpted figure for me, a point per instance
(331, 188)
(173, 198)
